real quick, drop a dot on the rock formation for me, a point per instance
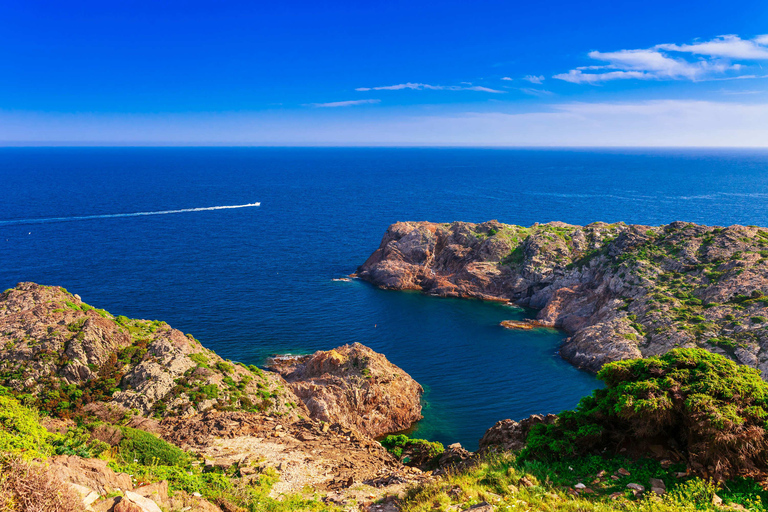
(68, 354)
(356, 387)
(620, 291)
(71, 360)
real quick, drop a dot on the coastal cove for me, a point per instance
(253, 282)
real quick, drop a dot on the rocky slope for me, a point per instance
(72, 361)
(620, 291)
(355, 386)
(66, 354)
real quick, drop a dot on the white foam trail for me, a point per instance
(114, 215)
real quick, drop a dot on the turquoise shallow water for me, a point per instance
(255, 281)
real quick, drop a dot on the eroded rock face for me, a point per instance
(52, 341)
(621, 291)
(509, 435)
(356, 387)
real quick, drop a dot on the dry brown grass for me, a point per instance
(30, 487)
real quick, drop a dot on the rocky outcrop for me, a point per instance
(75, 361)
(51, 341)
(509, 435)
(620, 291)
(355, 387)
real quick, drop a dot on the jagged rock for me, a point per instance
(606, 285)
(356, 387)
(145, 504)
(89, 473)
(454, 456)
(508, 435)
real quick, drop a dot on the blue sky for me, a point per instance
(488, 73)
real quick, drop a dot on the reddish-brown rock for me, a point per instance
(620, 291)
(356, 387)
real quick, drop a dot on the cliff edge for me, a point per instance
(620, 291)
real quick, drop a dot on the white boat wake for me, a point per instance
(114, 215)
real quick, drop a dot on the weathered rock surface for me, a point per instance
(51, 340)
(323, 456)
(509, 435)
(355, 387)
(621, 291)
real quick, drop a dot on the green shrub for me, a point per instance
(713, 408)
(413, 452)
(146, 448)
(224, 367)
(21, 432)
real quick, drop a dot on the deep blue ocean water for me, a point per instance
(252, 282)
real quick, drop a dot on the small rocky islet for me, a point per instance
(108, 413)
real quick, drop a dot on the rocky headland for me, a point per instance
(619, 291)
(312, 425)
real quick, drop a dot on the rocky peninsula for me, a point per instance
(619, 291)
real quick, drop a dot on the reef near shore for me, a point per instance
(620, 291)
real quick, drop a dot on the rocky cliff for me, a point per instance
(66, 355)
(355, 386)
(71, 361)
(620, 291)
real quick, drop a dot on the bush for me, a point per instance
(148, 449)
(20, 431)
(713, 408)
(413, 452)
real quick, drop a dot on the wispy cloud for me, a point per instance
(667, 61)
(506, 78)
(539, 93)
(349, 103)
(421, 87)
(534, 79)
(730, 46)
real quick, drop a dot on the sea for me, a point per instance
(254, 281)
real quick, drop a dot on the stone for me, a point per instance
(108, 505)
(658, 486)
(579, 486)
(525, 482)
(636, 487)
(481, 507)
(145, 504)
(127, 506)
(623, 472)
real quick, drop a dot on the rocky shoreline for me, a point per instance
(619, 291)
(312, 420)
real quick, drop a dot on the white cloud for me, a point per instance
(420, 87)
(576, 76)
(534, 79)
(668, 61)
(348, 103)
(506, 78)
(540, 93)
(730, 46)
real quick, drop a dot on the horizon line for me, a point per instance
(54, 144)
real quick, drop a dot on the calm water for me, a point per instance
(255, 281)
